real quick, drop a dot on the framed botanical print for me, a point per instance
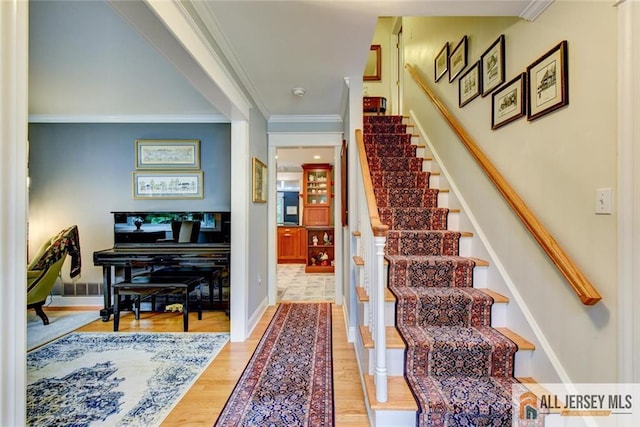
(492, 63)
(509, 102)
(442, 62)
(469, 85)
(458, 59)
(548, 80)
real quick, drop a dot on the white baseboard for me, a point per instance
(62, 301)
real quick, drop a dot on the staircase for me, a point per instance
(446, 362)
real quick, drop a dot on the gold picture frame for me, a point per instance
(260, 180)
(167, 184)
(167, 154)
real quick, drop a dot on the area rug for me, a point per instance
(289, 379)
(60, 323)
(115, 379)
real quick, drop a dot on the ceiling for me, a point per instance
(88, 63)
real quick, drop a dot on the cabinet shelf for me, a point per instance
(321, 256)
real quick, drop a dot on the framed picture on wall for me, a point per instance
(548, 82)
(492, 63)
(458, 59)
(167, 154)
(469, 85)
(260, 180)
(441, 62)
(509, 102)
(167, 185)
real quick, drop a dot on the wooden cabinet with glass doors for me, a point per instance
(317, 194)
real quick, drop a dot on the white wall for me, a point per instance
(555, 163)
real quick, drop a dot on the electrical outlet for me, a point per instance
(603, 201)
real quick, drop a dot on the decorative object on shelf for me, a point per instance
(259, 181)
(372, 69)
(441, 62)
(167, 185)
(167, 154)
(469, 85)
(458, 59)
(509, 102)
(492, 66)
(548, 82)
(320, 250)
(137, 221)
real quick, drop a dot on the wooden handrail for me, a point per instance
(578, 281)
(377, 227)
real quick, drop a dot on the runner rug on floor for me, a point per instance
(289, 379)
(115, 379)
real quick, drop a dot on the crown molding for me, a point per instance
(217, 37)
(132, 118)
(535, 9)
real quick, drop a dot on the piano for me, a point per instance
(143, 246)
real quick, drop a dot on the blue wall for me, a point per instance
(80, 172)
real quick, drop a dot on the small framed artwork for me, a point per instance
(260, 180)
(442, 62)
(548, 82)
(469, 85)
(167, 154)
(492, 63)
(167, 185)
(509, 102)
(458, 59)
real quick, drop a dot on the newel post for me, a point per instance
(380, 337)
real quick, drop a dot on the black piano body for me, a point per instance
(138, 255)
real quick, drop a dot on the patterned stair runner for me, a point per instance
(459, 368)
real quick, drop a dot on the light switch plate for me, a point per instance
(603, 201)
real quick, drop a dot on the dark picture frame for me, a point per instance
(548, 79)
(492, 62)
(508, 103)
(373, 67)
(441, 63)
(469, 85)
(458, 59)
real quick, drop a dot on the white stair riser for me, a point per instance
(453, 221)
(389, 313)
(395, 361)
(392, 418)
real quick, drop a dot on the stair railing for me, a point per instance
(373, 238)
(578, 281)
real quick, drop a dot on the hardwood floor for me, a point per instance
(205, 399)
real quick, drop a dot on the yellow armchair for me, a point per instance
(45, 267)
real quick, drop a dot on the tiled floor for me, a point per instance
(295, 285)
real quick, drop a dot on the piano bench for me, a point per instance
(146, 286)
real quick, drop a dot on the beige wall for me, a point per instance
(555, 163)
(382, 36)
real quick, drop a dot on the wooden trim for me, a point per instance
(578, 281)
(377, 227)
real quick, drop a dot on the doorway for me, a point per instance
(297, 278)
(286, 155)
